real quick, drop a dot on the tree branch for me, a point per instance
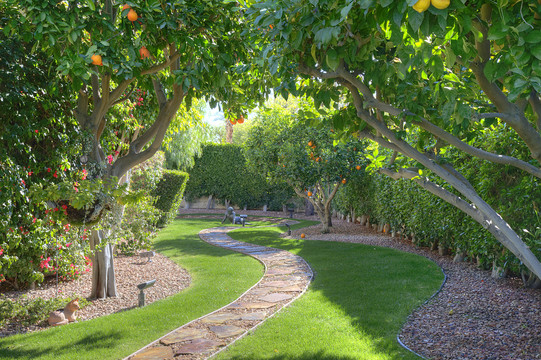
(536, 107)
(479, 153)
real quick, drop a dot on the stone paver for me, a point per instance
(287, 276)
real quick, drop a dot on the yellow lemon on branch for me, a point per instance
(441, 4)
(421, 5)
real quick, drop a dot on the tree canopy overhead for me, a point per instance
(417, 81)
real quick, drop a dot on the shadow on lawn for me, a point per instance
(18, 349)
(376, 287)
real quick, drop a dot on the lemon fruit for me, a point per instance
(441, 4)
(421, 5)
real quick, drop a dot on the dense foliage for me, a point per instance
(435, 223)
(419, 82)
(168, 193)
(37, 139)
(221, 171)
(286, 148)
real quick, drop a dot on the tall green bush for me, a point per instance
(169, 192)
(221, 171)
(412, 210)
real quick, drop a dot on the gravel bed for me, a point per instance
(129, 271)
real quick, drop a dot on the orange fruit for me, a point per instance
(358, 167)
(310, 143)
(126, 6)
(96, 60)
(233, 121)
(303, 236)
(271, 26)
(132, 15)
(317, 159)
(240, 120)
(143, 51)
(309, 193)
(343, 181)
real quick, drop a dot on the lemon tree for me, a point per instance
(419, 80)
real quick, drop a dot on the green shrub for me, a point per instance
(168, 193)
(25, 311)
(221, 171)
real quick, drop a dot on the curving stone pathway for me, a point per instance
(286, 277)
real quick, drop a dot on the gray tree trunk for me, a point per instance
(103, 271)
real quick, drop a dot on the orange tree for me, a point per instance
(164, 53)
(283, 145)
(419, 81)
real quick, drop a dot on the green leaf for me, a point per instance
(533, 37)
(415, 19)
(91, 5)
(332, 59)
(536, 51)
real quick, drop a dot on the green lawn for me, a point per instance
(219, 276)
(354, 308)
(360, 297)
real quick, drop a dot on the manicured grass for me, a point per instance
(219, 276)
(360, 297)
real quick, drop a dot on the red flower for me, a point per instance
(48, 169)
(1, 251)
(30, 173)
(110, 159)
(55, 174)
(64, 207)
(36, 131)
(23, 182)
(68, 244)
(55, 209)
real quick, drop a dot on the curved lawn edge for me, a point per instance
(278, 264)
(356, 326)
(119, 334)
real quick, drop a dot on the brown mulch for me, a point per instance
(129, 271)
(473, 316)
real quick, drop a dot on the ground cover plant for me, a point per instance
(218, 277)
(359, 299)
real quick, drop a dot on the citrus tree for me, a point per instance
(130, 66)
(418, 77)
(285, 147)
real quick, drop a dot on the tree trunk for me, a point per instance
(209, 202)
(228, 132)
(103, 271)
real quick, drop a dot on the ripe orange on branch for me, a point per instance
(358, 167)
(343, 181)
(143, 51)
(309, 193)
(132, 15)
(240, 120)
(96, 60)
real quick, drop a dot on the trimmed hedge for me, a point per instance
(412, 210)
(221, 171)
(168, 193)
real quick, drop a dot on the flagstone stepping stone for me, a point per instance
(220, 318)
(276, 297)
(279, 271)
(155, 353)
(278, 284)
(292, 288)
(199, 346)
(287, 275)
(254, 305)
(225, 331)
(183, 335)
(255, 316)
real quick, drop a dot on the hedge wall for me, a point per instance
(221, 171)
(409, 208)
(168, 193)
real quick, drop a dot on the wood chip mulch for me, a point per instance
(473, 316)
(129, 271)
